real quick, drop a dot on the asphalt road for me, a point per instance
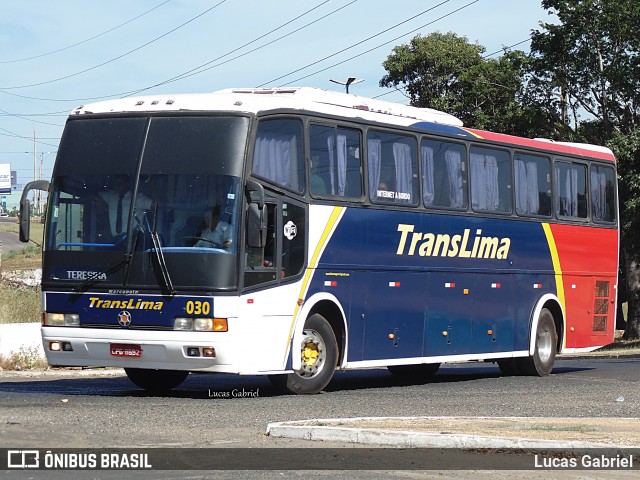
(219, 411)
(10, 241)
(231, 411)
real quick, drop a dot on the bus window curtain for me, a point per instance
(527, 197)
(454, 173)
(571, 192)
(272, 158)
(428, 189)
(598, 194)
(337, 163)
(374, 149)
(404, 173)
(567, 200)
(484, 178)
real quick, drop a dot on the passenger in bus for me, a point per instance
(216, 233)
(118, 200)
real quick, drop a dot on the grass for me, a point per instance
(21, 303)
(569, 428)
(24, 359)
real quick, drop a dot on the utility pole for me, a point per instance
(349, 81)
(35, 193)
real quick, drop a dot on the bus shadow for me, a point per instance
(218, 386)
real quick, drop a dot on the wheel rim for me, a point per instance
(313, 353)
(545, 343)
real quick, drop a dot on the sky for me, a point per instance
(58, 55)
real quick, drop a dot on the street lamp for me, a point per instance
(350, 81)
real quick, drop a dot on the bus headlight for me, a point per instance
(61, 319)
(201, 324)
(183, 324)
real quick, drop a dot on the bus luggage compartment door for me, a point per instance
(394, 319)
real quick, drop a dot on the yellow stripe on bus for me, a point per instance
(335, 216)
(558, 271)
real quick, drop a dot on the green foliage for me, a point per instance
(627, 150)
(446, 72)
(588, 63)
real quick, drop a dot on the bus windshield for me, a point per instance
(128, 191)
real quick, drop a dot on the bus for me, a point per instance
(293, 232)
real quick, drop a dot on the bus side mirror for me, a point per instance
(255, 192)
(25, 207)
(25, 220)
(256, 226)
(256, 216)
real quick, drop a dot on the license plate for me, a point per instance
(126, 350)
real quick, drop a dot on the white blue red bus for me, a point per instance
(293, 232)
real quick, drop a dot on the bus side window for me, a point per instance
(571, 195)
(533, 185)
(602, 180)
(393, 168)
(444, 174)
(335, 162)
(279, 153)
(490, 180)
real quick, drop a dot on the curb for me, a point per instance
(302, 430)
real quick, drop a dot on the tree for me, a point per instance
(585, 74)
(446, 72)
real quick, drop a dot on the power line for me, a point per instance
(505, 48)
(197, 70)
(383, 44)
(116, 58)
(86, 40)
(356, 44)
(189, 72)
(5, 113)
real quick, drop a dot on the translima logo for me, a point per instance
(444, 245)
(129, 304)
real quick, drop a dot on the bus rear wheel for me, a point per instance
(319, 355)
(544, 355)
(156, 380)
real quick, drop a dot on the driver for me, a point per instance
(216, 233)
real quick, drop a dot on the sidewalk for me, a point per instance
(469, 432)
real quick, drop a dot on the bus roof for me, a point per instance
(315, 100)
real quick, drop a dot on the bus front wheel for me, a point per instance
(544, 355)
(156, 380)
(319, 355)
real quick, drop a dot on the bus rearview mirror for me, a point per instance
(256, 226)
(25, 220)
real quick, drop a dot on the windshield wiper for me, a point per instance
(159, 254)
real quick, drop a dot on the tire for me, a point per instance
(424, 370)
(544, 354)
(319, 352)
(156, 380)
